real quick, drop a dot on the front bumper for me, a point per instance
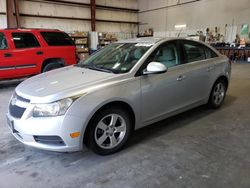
(27, 129)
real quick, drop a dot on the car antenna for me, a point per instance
(179, 33)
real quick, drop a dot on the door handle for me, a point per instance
(39, 52)
(181, 77)
(210, 68)
(7, 55)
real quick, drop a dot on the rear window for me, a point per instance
(25, 40)
(3, 42)
(194, 52)
(57, 39)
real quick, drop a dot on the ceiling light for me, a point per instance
(181, 26)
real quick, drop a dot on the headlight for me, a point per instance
(52, 109)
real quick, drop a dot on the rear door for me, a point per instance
(27, 53)
(60, 45)
(198, 71)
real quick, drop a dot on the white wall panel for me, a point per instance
(116, 27)
(3, 21)
(132, 4)
(65, 25)
(49, 9)
(2, 5)
(205, 13)
(80, 1)
(116, 15)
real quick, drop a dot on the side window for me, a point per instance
(166, 54)
(3, 42)
(57, 39)
(25, 40)
(194, 51)
(210, 53)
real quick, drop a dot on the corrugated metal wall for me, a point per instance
(36, 7)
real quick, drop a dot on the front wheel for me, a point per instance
(217, 95)
(109, 130)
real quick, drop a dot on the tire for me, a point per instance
(217, 94)
(51, 66)
(105, 136)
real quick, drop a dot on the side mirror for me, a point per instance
(155, 68)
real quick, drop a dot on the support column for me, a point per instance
(16, 2)
(13, 17)
(93, 13)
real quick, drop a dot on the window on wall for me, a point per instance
(25, 40)
(3, 42)
(194, 51)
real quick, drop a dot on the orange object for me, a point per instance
(75, 134)
(242, 41)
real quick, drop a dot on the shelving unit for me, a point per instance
(140, 36)
(81, 40)
(106, 38)
(146, 33)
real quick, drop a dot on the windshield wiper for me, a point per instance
(107, 69)
(94, 67)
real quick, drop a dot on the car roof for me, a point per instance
(29, 29)
(153, 40)
(141, 40)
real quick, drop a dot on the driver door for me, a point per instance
(163, 93)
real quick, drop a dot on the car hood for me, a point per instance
(65, 82)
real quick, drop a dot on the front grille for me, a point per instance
(50, 140)
(16, 111)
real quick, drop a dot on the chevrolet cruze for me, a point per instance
(123, 87)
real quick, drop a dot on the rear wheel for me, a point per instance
(217, 95)
(51, 66)
(108, 131)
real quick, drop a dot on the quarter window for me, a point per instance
(210, 53)
(25, 40)
(3, 42)
(57, 39)
(194, 52)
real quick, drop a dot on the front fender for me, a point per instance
(86, 106)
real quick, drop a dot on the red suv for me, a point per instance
(25, 52)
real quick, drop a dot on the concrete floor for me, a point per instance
(199, 148)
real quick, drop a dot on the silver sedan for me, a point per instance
(121, 88)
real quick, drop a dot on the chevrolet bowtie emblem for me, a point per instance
(13, 101)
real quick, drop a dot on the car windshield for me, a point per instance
(116, 58)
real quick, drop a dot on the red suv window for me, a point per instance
(3, 42)
(25, 40)
(57, 39)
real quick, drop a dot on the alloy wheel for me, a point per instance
(219, 93)
(110, 131)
